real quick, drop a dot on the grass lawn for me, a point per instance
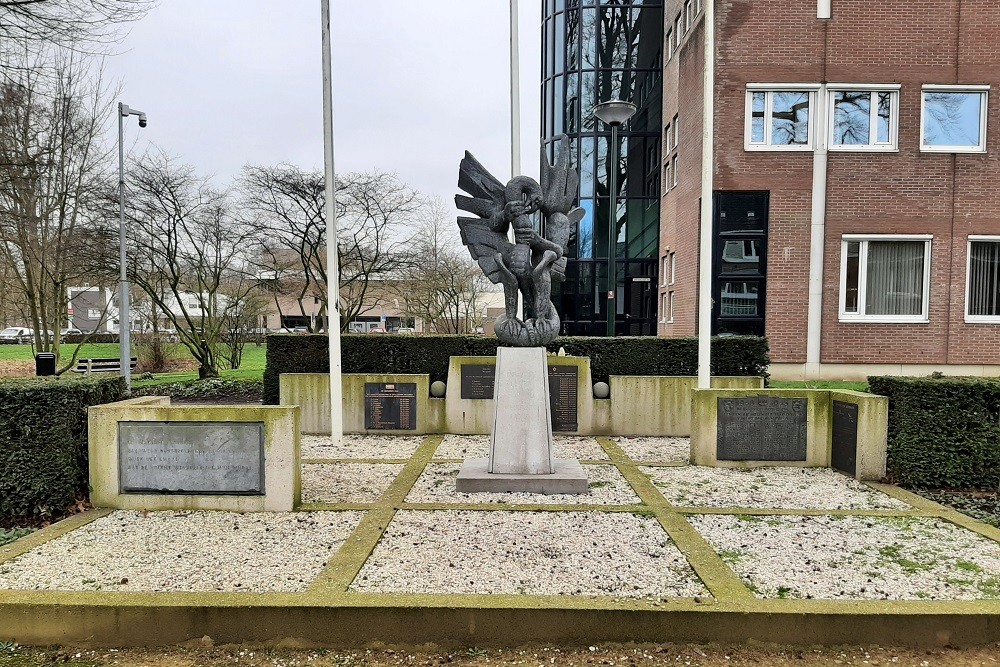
(819, 384)
(87, 351)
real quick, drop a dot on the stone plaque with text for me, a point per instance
(844, 451)
(477, 380)
(563, 397)
(213, 458)
(391, 406)
(762, 428)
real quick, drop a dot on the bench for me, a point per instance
(88, 366)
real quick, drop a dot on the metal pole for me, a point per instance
(612, 236)
(705, 237)
(332, 266)
(515, 95)
(125, 354)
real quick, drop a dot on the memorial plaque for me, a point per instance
(211, 458)
(762, 428)
(391, 407)
(563, 397)
(844, 454)
(477, 380)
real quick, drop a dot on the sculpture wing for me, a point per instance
(487, 200)
(484, 244)
(559, 181)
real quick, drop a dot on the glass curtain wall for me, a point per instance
(594, 51)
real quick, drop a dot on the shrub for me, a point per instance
(43, 442)
(943, 432)
(638, 355)
(246, 390)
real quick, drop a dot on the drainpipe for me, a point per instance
(707, 185)
(817, 235)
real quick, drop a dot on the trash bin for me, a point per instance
(45, 364)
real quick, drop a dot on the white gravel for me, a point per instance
(361, 447)
(534, 553)
(185, 551)
(780, 488)
(607, 487)
(478, 447)
(658, 450)
(884, 558)
(346, 482)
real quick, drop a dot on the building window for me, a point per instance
(697, 7)
(668, 139)
(673, 268)
(779, 119)
(666, 270)
(982, 297)
(667, 178)
(864, 119)
(953, 119)
(676, 176)
(670, 307)
(677, 131)
(885, 278)
(688, 15)
(679, 28)
(670, 44)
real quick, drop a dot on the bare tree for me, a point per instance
(376, 214)
(51, 164)
(189, 255)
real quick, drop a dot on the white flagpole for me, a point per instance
(515, 94)
(332, 266)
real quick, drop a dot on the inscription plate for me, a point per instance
(844, 452)
(563, 397)
(478, 380)
(762, 428)
(391, 407)
(215, 458)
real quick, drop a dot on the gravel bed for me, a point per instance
(478, 447)
(533, 553)
(361, 446)
(607, 487)
(880, 558)
(185, 551)
(659, 450)
(346, 482)
(781, 488)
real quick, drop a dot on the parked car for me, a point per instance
(70, 331)
(377, 330)
(406, 330)
(16, 335)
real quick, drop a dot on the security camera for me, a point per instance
(142, 120)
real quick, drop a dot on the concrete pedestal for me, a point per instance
(521, 440)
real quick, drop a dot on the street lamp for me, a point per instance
(124, 318)
(613, 113)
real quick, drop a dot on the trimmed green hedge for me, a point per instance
(43, 442)
(943, 432)
(637, 355)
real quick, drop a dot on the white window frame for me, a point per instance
(666, 270)
(976, 319)
(670, 307)
(983, 90)
(688, 15)
(670, 44)
(673, 168)
(677, 130)
(697, 7)
(770, 88)
(667, 177)
(679, 28)
(859, 316)
(873, 145)
(673, 267)
(668, 139)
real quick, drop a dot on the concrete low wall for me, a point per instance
(282, 482)
(638, 405)
(872, 425)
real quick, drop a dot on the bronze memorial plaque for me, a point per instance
(563, 397)
(762, 428)
(844, 454)
(391, 407)
(217, 458)
(477, 380)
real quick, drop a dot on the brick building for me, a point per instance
(853, 190)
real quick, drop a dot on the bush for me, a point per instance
(639, 355)
(43, 443)
(943, 432)
(245, 390)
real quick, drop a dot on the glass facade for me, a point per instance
(594, 51)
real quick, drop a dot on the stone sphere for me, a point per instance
(601, 390)
(437, 389)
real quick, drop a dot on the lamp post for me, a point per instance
(124, 318)
(613, 113)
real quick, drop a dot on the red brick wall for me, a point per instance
(909, 42)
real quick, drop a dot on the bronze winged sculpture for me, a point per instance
(529, 264)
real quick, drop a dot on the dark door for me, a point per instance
(639, 316)
(739, 263)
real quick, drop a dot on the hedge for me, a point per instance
(943, 432)
(637, 355)
(43, 442)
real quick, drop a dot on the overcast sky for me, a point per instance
(231, 82)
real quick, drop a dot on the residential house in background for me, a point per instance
(92, 309)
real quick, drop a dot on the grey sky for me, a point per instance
(230, 82)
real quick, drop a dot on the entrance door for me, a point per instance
(739, 265)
